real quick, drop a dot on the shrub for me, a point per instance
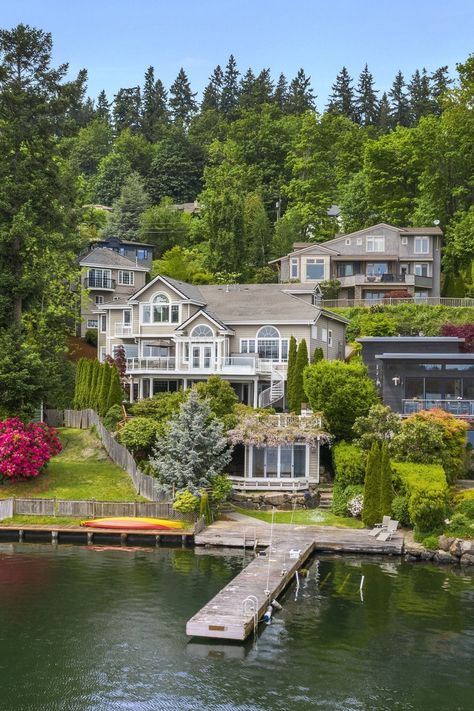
(386, 486)
(461, 526)
(427, 494)
(113, 417)
(343, 391)
(380, 423)
(160, 407)
(185, 501)
(356, 505)
(91, 337)
(371, 513)
(466, 507)
(400, 510)
(204, 508)
(221, 486)
(25, 449)
(139, 436)
(342, 496)
(220, 395)
(431, 542)
(318, 355)
(349, 464)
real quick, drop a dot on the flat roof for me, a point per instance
(409, 339)
(426, 356)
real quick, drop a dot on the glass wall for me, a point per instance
(284, 462)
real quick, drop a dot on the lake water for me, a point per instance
(90, 628)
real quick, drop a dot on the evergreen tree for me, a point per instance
(384, 119)
(176, 170)
(399, 104)
(212, 95)
(257, 230)
(371, 512)
(104, 389)
(102, 109)
(386, 486)
(291, 372)
(77, 388)
(127, 109)
(246, 90)
(193, 451)
(182, 100)
(301, 97)
(115, 394)
(95, 399)
(154, 107)
(420, 96)
(230, 89)
(301, 363)
(262, 89)
(93, 383)
(440, 83)
(318, 355)
(366, 101)
(280, 96)
(341, 100)
(124, 221)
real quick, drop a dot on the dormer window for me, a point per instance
(202, 331)
(160, 310)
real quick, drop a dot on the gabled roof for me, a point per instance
(202, 312)
(103, 257)
(187, 291)
(320, 248)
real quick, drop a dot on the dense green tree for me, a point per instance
(341, 99)
(212, 95)
(230, 89)
(182, 100)
(154, 107)
(380, 424)
(301, 363)
(366, 99)
(400, 105)
(383, 118)
(301, 97)
(176, 170)
(124, 221)
(439, 85)
(246, 89)
(386, 486)
(92, 143)
(343, 391)
(291, 372)
(111, 174)
(371, 512)
(257, 230)
(127, 109)
(219, 395)
(102, 109)
(115, 394)
(164, 226)
(185, 264)
(280, 95)
(420, 95)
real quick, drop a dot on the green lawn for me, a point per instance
(82, 471)
(308, 517)
(46, 520)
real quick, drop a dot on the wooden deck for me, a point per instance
(67, 534)
(231, 613)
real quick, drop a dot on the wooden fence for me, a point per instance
(145, 485)
(88, 509)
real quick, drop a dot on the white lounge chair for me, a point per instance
(380, 526)
(389, 532)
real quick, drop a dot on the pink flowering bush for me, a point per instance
(25, 449)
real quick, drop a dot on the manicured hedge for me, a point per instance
(426, 490)
(349, 464)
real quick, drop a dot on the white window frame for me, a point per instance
(417, 269)
(330, 338)
(250, 472)
(103, 323)
(348, 242)
(374, 242)
(193, 333)
(405, 240)
(131, 277)
(149, 307)
(247, 345)
(359, 241)
(315, 261)
(294, 268)
(98, 299)
(422, 240)
(92, 323)
(102, 353)
(314, 332)
(324, 335)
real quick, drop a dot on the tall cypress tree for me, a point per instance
(230, 89)
(301, 363)
(212, 95)
(77, 387)
(154, 107)
(371, 512)
(182, 100)
(386, 486)
(290, 378)
(399, 104)
(104, 389)
(93, 383)
(341, 99)
(115, 394)
(366, 101)
(384, 119)
(95, 401)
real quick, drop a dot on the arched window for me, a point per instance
(202, 331)
(270, 345)
(160, 298)
(160, 310)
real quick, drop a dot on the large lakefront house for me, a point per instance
(176, 334)
(370, 264)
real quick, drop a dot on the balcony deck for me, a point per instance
(458, 408)
(234, 365)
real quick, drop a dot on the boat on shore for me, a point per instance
(132, 523)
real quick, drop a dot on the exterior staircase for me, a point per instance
(325, 492)
(275, 392)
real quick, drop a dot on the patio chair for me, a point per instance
(388, 534)
(380, 526)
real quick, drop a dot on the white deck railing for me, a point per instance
(240, 482)
(458, 408)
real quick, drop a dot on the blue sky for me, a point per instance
(116, 40)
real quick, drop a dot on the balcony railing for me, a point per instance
(122, 329)
(151, 364)
(244, 365)
(289, 484)
(99, 283)
(458, 408)
(388, 301)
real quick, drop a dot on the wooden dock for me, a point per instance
(89, 536)
(236, 610)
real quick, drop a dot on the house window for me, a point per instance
(91, 323)
(102, 354)
(324, 335)
(330, 338)
(151, 351)
(422, 270)
(422, 245)
(405, 240)
(186, 353)
(373, 295)
(270, 345)
(247, 345)
(314, 269)
(314, 332)
(359, 241)
(160, 311)
(344, 269)
(131, 351)
(283, 462)
(121, 251)
(375, 244)
(294, 269)
(348, 242)
(126, 278)
(98, 299)
(142, 254)
(377, 268)
(202, 331)
(103, 323)
(99, 279)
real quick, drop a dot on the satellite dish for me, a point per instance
(436, 222)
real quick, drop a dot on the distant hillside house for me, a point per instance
(371, 263)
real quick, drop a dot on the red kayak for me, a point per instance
(130, 523)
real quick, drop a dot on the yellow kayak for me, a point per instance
(132, 523)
